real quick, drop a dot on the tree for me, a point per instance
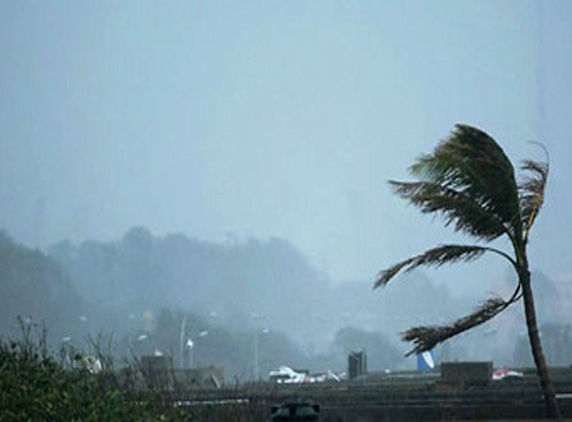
(470, 182)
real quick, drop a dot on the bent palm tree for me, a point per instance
(471, 183)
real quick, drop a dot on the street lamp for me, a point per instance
(190, 345)
(256, 346)
(181, 340)
(137, 344)
(65, 351)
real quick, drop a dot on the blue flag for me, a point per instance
(425, 361)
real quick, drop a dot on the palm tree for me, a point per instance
(471, 183)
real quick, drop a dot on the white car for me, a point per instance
(286, 375)
(506, 374)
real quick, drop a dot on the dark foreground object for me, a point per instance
(296, 411)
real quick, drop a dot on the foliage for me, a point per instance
(471, 183)
(33, 285)
(234, 280)
(34, 387)
(236, 351)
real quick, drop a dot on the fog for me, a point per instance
(250, 123)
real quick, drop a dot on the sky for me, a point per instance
(228, 120)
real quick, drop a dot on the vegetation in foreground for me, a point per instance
(36, 386)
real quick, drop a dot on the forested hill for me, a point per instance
(256, 285)
(242, 283)
(36, 289)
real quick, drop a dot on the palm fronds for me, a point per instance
(470, 182)
(472, 165)
(445, 254)
(427, 337)
(457, 208)
(532, 192)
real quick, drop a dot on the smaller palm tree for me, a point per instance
(471, 183)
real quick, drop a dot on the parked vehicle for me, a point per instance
(286, 375)
(296, 411)
(507, 375)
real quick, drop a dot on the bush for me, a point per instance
(34, 387)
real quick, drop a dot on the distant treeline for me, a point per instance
(245, 294)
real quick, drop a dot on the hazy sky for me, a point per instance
(272, 118)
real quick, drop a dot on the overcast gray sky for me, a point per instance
(272, 118)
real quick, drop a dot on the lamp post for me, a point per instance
(256, 347)
(181, 342)
(65, 351)
(190, 345)
(137, 344)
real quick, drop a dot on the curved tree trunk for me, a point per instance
(552, 409)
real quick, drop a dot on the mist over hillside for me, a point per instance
(35, 289)
(245, 294)
(243, 283)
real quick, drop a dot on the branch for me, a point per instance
(425, 338)
(444, 254)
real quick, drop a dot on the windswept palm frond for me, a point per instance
(457, 208)
(470, 162)
(532, 192)
(445, 254)
(469, 180)
(427, 337)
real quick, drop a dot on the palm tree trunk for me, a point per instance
(552, 410)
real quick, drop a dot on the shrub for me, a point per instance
(34, 387)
